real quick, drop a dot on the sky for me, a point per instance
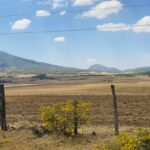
(121, 35)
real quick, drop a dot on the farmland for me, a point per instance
(24, 100)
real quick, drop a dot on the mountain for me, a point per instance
(138, 70)
(101, 68)
(14, 64)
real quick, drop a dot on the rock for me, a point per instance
(38, 130)
(45, 136)
(94, 133)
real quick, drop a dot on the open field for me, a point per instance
(24, 102)
(92, 85)
(133, 98)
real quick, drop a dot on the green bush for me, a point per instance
(66, 117)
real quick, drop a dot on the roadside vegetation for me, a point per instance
(66, 117)
(128, 141)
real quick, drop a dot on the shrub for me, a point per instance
(144, 139)
(126, 141)
(66, 117)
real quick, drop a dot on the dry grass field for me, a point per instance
(24, 102)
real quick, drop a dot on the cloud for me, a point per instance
(91, 61)
(54, 3)
(44, 2)
(103, 9)
(113, 27)
(59, 3)
(21, 24)
(62, 13)
(59, 39)
(83, 2)
(42, 13)
(142, 25)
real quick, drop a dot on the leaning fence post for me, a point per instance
(115, 108)
(2, 108)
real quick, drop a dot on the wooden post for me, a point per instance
(75, 105)
(2, 108)
(115, 108)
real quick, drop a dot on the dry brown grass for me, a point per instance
(96, 86)
(25, 140)
(24, 102)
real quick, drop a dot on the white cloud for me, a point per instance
(113, 27)
(143, 25)
(21, 24)
(62, 13)
(59, 39)
(91, 61)
(42, 13)
(83, 2)
(59, 3)
(104, 9)
(54, 3)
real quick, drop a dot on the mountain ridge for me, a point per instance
(15, 64)
(101, 68)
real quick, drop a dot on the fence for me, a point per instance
(133, 110)
(3, 111)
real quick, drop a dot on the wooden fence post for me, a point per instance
(115, 108)
(2, 108)
(75, 105)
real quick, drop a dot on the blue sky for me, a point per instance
(115, 47)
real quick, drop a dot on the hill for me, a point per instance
(101, 68)
(14, 64)
(138, 70)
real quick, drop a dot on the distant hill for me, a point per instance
(145, 73)
(138, 70)
(14, 64)
(101, 68)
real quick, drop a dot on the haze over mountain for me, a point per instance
(14, 64)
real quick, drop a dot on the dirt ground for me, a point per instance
(23, 102)
(133, 94)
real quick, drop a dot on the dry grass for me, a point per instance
(24, 101)
(25, 140)
(96, 86)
